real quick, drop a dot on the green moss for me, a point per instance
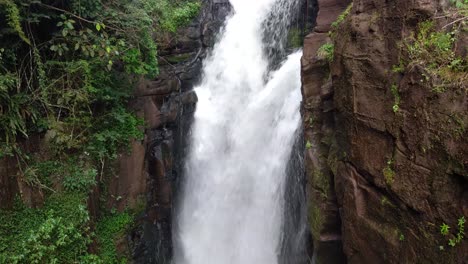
(386, 202)
(332, 161)
(316, 220)
(389, 173)
(321, 182)
(179, 58)
(397, 98)
(400, 68)
(459, 127)
(311, 121)
(341, 18)
(399, 234)
(295, 38)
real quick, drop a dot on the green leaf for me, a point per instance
(444, 229)
(69, 25)
(98, 27)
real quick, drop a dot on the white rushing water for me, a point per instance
(245, 125)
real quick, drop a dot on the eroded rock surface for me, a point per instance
(167, 104)
(390, 179)
(318, 116)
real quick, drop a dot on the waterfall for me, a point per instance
(232, 205)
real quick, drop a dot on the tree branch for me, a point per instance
(75, 16)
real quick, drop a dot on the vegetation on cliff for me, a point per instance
(388, 91)
(434, 49)
(67, 71)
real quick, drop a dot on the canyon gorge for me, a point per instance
(289, 132)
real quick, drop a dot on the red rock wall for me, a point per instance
(358, 143)
(318, 119)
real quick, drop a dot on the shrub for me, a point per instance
(327, 51)
(108, 230)
(57, 233)
(68, 79)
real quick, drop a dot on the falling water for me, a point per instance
(246, 120)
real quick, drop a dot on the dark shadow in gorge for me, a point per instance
(295, 239)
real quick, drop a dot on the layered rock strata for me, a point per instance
(382, 180)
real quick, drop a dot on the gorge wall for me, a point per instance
(154, 168)
(386, 152)
(145, 178)
(386, 144)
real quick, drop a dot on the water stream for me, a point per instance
(232, 208)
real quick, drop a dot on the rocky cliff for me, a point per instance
(386, 151)
(154, 168)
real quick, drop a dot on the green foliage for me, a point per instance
(396, 95)
(13, 17)
(316, 220)
(71, 83)
(401, 237)
(400, 68)
(458, 237)
(321, 182)
(335, 25)
(461, 4)
(461, 233)
(118, 126)
(69, 87)
(389, 173)
(311, 121)
(308, 145)
(444, 229)
(433, 50)
(57, 233)
(108, 231)
(79, 180)
(67, 71)
(327, 51)
(386, 202)
(342, 17)
(15, 109)
(460, 127)
(175, 15)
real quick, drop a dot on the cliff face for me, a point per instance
(154, 168)
(386, 156)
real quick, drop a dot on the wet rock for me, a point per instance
(8, 184)
(152, 170)
(395, 177)
(321, 157)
